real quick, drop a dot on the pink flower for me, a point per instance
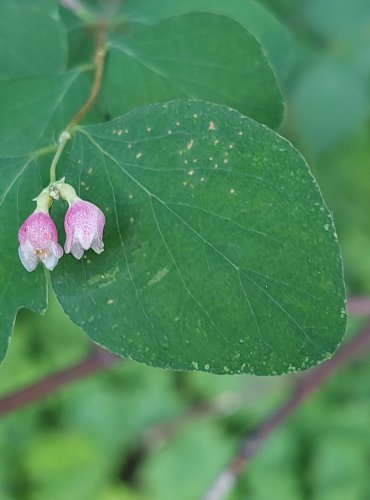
(38, 242)
(84, 225)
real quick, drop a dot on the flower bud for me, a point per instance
(84, 224)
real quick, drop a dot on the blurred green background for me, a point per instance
(99, 438)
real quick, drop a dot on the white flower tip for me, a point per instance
(98, 246)
(28, 259)
(76, 250)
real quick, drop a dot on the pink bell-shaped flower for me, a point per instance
(38, 240)
(84, 224)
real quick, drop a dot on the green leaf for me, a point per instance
(199, 56)
(81, 38)
(339, 20)
(252, 15)
(32, 38)
(20, 181)
(165, 473)
(329, 104)
(36, 109)
(220, 253)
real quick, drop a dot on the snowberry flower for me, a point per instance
(83, 223)
(38, 238)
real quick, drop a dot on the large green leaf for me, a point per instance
(220, 253)
(200, 56)
(36, 109)
(32, 39)
(20, 181)
(252, 15)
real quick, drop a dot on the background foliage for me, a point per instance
(99, 427)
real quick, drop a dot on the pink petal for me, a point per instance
(84, 224)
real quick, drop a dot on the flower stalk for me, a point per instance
(63, 139)
(84, 222)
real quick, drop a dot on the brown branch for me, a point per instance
(98, 360)
(99, 58)
(307, 383)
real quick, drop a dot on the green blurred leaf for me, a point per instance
(339, 20)
(344, 178)
(329, 104)
(278, 459)
(252, 15)
(200, 56)
(339, 469)
(78, 459)
(185, 467)
(220, 254)
(123, 404)
(32, 38)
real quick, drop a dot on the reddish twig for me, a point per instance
(307, 383)
(359, 306)
(99, 58)
(98, 360)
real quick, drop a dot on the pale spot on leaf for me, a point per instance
(159, 276)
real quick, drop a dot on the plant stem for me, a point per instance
(99, 67)
(64, 138)
(99, 58)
